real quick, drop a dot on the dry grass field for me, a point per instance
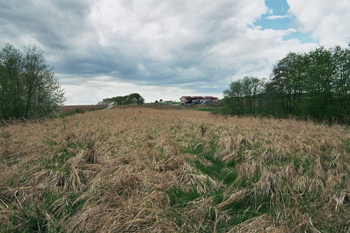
(162, 170)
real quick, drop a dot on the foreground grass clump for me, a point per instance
(163, 170)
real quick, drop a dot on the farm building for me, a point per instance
(193, 99)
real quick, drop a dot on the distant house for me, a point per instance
(196, 99)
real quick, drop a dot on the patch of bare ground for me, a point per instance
(147, 169)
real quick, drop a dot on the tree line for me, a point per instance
(133, 98)
(313, 85)
(28, 86)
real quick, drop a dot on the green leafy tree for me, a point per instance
(125, 100)
(313, 85)
(289, 76)
(319, 85)
(243, 96)
(28, 86)
(341, 83)
(12, 89)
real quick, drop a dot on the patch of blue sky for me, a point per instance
(278, 18)
(279, 7)
(275, 22)
(301, 36)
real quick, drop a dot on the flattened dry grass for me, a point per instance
(154, 170)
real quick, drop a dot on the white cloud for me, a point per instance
(328, 21)
(162, 49)
(165, 29)
(278, 16)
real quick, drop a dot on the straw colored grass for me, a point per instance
(165, 170)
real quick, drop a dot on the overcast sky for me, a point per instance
(164, 49)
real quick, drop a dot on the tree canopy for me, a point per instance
(313, 85)
(28, 86)
(133, 98)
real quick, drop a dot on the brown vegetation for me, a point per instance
(160, 170)
(71, 108)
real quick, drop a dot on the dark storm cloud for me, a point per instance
(52, 23)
